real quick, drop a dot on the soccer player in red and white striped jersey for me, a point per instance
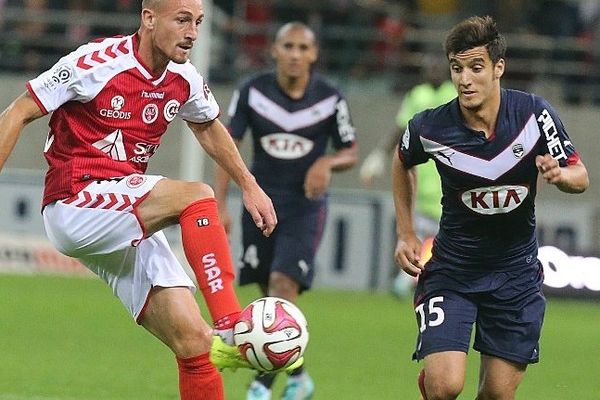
(111, 101)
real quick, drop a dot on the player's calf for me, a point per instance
(421, 383)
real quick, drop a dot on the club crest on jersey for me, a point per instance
(171, 110)
(286, 146)
(150, 113)
(135, 181)
(518, 150)
(495, 199)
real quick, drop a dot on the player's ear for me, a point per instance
(148, 18)
(314, 54)
(275, 51)
(499, 68)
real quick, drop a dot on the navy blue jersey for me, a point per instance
(488, 185)
(289, 135)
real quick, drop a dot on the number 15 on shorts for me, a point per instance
(430, 313)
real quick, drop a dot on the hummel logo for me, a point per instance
(113, 146)
(153, 95)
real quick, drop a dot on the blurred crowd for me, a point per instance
(363, 37)
(35, 33)
(358, 38)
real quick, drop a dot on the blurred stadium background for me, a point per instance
(373, 50)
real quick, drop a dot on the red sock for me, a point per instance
(199, 379)
(421, 382)
(207, 250)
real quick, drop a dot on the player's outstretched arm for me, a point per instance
(219, 145)
(12, 121)
(570, 179)
(408, 246)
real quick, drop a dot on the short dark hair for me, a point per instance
(474, 32)
(295, 25)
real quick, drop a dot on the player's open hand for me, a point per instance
(549, 169)
(408, 255)
(260, 207)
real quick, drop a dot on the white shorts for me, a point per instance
(99, 227)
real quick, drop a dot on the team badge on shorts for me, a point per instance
(135, 181)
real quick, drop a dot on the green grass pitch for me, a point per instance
(70, 339)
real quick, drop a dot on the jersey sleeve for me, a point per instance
(239, 112)
(410, 148)
(344, 136)
(58, 85)
(555, 139)
(201, 106)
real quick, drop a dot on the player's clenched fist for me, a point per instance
(549, 168)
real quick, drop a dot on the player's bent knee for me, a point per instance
(199, 191)
(442, 389)
(191, 342)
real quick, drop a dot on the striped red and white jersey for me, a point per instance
(109, 112)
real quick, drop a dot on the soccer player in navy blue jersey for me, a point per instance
(489, 146)
(293, 115)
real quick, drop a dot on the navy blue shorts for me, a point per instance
(506, 307)
(290, 249)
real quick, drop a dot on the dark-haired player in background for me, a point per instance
(111, 101)
(489, 146)
(293, 115)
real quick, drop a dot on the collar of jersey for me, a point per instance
(135, 44)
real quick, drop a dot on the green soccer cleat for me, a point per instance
(225, 356)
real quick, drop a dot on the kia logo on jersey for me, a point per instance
(286, 146)
(495, 199)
